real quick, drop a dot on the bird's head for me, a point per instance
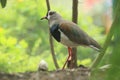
(51, 15)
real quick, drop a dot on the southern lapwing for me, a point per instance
(68, 33)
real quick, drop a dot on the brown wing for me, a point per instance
(75, 34)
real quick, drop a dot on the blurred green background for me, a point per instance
(24, 38)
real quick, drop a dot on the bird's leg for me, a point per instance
(70, 54)
(69, 57)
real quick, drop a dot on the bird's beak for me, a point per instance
(43, 18)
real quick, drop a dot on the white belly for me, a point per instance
(66, 41)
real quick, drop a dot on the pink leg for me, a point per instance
(69, 57)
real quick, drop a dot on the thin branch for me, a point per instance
(48, 5)
(73, 62)
(75, 11)
(51, 41)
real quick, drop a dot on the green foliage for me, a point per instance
(13, 57)
(114, 61)
(3, 3)
(111, 72)
(24, 39)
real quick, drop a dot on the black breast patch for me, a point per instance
(54, 31)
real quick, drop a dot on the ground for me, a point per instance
(67, 74)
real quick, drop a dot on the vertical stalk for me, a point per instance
(51, 41)
(73, 62)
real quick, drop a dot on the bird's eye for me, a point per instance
(51, 13)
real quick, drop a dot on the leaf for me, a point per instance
(3, 3)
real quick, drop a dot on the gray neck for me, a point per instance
(56, 20)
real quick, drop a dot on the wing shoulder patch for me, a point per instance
(54, 30)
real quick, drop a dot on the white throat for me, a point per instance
(48, 17)
(51, 23)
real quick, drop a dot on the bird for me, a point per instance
(68, 33)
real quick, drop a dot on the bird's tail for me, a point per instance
(95, 45)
